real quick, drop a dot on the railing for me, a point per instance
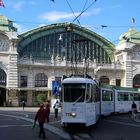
(53, 63)
(65, 63)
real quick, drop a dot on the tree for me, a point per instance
(41, 97)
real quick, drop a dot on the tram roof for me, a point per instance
(78, 80)
(118, 88)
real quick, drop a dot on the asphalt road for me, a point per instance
(116, 127)
(18, 129)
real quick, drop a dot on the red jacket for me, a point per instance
(48, 108)
(41, 115)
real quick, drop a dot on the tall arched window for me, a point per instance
(136, 81)
(41, 80)
(104, 80)
(2, 77)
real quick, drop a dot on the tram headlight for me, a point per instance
(73, 114)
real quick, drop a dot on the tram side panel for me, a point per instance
(92, 113)
(123, 100)
(107, 101)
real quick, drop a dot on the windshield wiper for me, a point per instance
(77, 99)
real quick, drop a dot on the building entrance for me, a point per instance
(136, 81)
(2, 96)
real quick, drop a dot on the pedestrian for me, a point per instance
(48, 111)
(41, 116)
(56, 107)
(10, 102)
(23, 104)
(134, 110)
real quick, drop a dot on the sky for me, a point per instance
(108, 18)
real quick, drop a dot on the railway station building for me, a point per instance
(31, 63)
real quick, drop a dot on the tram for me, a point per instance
(118, 99)
(124, 98)
(80, 101)
(83, 101)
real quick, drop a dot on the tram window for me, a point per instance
(96, 95)
(107, 95)
(135, 97)
(88, 93)
(92, 93)
(123, 96)
(74, 92)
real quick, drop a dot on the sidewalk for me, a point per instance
(29, 109)
(54, 125)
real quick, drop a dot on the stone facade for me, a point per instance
(120, 71)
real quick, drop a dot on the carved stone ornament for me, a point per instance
(3, 44)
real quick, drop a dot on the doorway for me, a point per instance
(2, 96)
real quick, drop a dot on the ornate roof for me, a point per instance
(132, 35)
(6, 25)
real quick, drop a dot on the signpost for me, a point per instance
(55, 88)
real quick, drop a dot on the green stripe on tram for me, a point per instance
(117, 87)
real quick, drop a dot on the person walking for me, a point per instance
(56, 107)
(41, 116)
(134, 110)
(48, 111)
(10, 102)
(23, 104)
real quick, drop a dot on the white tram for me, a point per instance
(124, 98)
(80, 101)
(83, 101)
(118, 99)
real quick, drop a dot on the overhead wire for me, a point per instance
(84, 6)
(83, 11)
(72, 11)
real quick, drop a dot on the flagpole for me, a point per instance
(2, 4)
(133, 22)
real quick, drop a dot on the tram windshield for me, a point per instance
(74, 92)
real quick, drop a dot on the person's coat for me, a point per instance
(41, 115)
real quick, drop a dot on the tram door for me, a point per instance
(2, 96)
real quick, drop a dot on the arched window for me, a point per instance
(73, 46)
(104, 80)
(2, 77)
(41, 80)
(136, 81)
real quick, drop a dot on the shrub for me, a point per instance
(41, 98)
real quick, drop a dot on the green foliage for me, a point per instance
(41, 97)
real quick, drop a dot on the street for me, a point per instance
(17, 125)
(18, 129)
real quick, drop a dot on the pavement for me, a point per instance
(54, 125)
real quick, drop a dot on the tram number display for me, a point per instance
(68, 114)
